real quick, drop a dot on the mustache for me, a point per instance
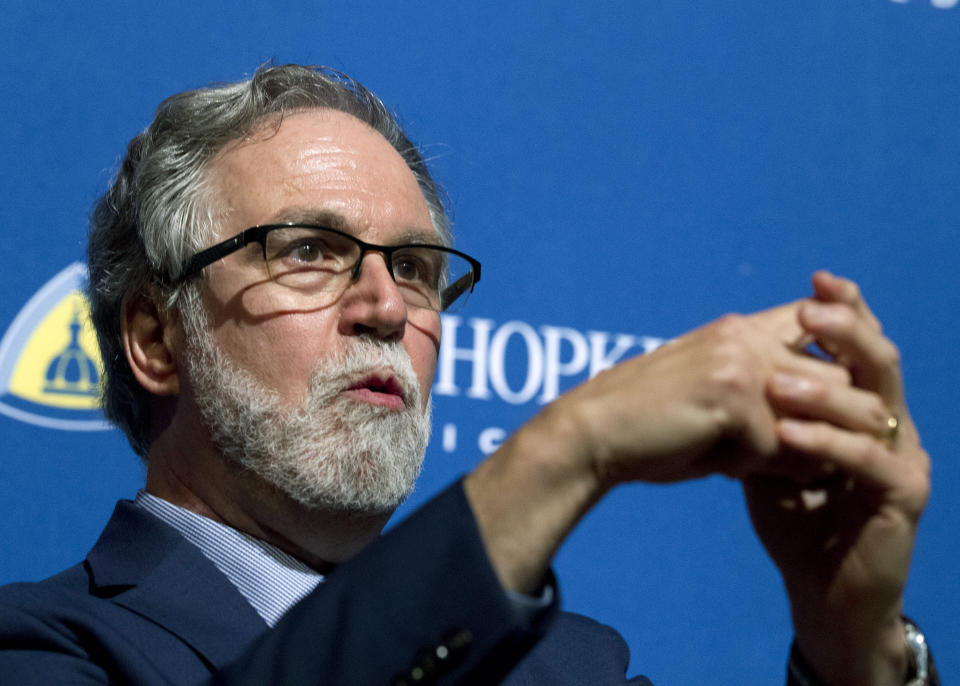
(363, 359)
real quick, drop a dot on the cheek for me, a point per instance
(281, 352)
(425, 373)
(258, 329)
(423, 345)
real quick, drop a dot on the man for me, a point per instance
(267, 272)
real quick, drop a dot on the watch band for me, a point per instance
(919, 672)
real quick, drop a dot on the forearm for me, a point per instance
(529, 495)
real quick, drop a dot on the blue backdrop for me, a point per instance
(625, 171)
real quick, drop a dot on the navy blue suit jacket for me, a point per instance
(146, 607)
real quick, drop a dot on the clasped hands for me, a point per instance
(834, 500)
(834, 493)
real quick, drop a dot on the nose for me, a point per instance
(372, 304)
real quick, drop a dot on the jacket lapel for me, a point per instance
(146, 566)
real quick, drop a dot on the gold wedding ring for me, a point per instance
(893, 427)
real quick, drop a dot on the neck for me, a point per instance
(204, 482)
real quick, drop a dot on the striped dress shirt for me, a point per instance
(271, 580)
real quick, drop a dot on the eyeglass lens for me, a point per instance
(321, 263)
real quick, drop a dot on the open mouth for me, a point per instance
(378, 389)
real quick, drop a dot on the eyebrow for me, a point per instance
(335, 220)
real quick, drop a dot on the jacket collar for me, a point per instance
(146, 566)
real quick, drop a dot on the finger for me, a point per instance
(800, 363)
(873, 359)
(828, 287)
(841, 405)
(861, 456)
(779, 322)
(797, 469)
(748, 445)
(783, 324)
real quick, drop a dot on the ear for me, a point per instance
(147, 335)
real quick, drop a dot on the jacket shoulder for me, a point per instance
(58, 595)
(44, 618)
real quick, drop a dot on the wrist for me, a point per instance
(921, 670)
(841, 653)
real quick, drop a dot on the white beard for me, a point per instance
(331, 452)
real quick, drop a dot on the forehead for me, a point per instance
(318, 162)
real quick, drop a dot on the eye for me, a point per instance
(415, 267)
(308, 257)
(407, 269)
(307, 252)
(303, 250)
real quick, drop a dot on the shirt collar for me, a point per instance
(271, 580)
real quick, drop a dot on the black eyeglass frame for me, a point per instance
(258, 234)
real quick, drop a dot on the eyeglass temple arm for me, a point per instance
(211, 255)
(456, 289)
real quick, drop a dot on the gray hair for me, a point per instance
(159, 209)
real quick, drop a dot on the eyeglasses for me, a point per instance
(321, 262)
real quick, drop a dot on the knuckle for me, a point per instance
(879, 415)
(844, 375)
(732, 317)
(889, 354)
(923, 488)
(837, 374)
(875, 406)
(733, 373)
(816, 391)
(925, 465)
(844, 317)
(919, 486)
(852, 291)
(868, 452)
(732, 326)
(821, 439)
